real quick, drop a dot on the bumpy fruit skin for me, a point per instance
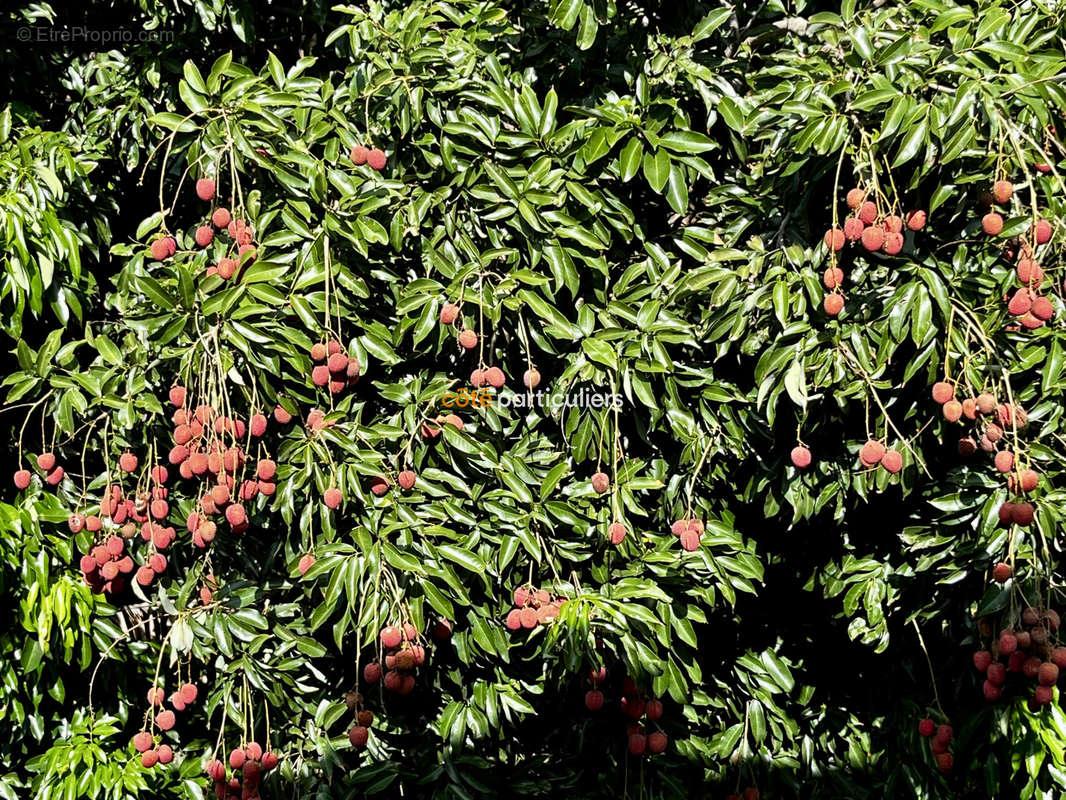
(834, 239)
(916, 220)
(926, 727)
(893, 243)
(406, 479)
(204, 235)
(871, 453)
(205, 189)
(637, 743)
(468, 339)
(833, 277)
(943, 391)
(594, 700)
(952, 410)
(600, 483)
(868, 212)
(332, 497)
(656, 742)
(1042, 231)
(531, 379)
(892, 461)
(22, 479)
(853, 228)
(449, 312)
(1001, 573)
(391, 636)
(495, 377)
(616, 533)
(358, 155)
(801, 457)
(376, 159)
(358, 736)
(221, 218)
(306, 562)
(992, 223)
(833, 304)
(1002, 191)
(873, 238)
(855, 197)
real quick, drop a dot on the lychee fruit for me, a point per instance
(205, 234)
(915, 220)
(22, 479)
(801, 457)
(221, 217)
(205, 188)
(376, 159)
(868, 212)
(833, 277)
(992, 223)
(833, 304)
(406, 479)
(1002, 572)
(1002, 191)
(871, 453)
(594, 699)
(855, 197)
(892, 461)
(853, 228)
(600, 482)
(468, 339)
(449, 312)
(1042, 231)
(332, 497)
(531, 379)
(834, 239)
(873, 238)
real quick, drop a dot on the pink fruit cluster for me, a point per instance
(372, 157)
(940, 741)
(248, 765)
(403, 654)
(873, 229)
(359, 733)
(689, 532)
(532, 607)
(637, 707)
(334, 367)
(144, 742)
(1030, 651)
(874, 453)
(46, 463)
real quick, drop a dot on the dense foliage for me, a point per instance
(425, 201)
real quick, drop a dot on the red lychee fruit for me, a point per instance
(495, 377)
(372, 672)
(871, 453)
(594, 700)
(893, 224)
(531, 379)
(1022, 513)
(868, 212)
(165, 720)
(915, 220)
(690, 540)
(853, 228)
(892, 461)
(468, 339)
(1002, 572)
(1048, 674)
(376, 159)
(943, 392)
(600, 483)
(986, 403)
(205, 234)
(237, 757)
(332, 497)
(926, 727)
(992, 223)
(833, 304)
(358, 735)
(1042, 231)
(1042, 308)
(1002, 191)
(981, 660)
(337, 362)
(653, 709)
(1008, 643)
(996, 673)
(205, 188)
(801, 457)
(833, 277)
(893, 243)
(22, 479)
(221, 217)
(873, 238)
(1004, 461)
(391, 636)
(952, 410)
(46, 461)
(406, 479)
(281, 416)
(55, 477)
(149, 758)
(163, 249)
(358, 155)
(637, 743)
(306, 562)
(834, 239)
(1029, 272)
(855, 197)
(514, 619)
(226, 268)
(616, 533)
(656, 742)
(991, 692)
(142, 741)
(944, 762)
(379, 485)
(449, 312)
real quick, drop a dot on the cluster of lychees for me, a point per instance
(468, 337)
(403, 653)
(636, 706)
(875, 230)
(991, 422)
(209, 448)
(532, 607)
(144, 742)
(46, 462)
(688, 531)
(874, 453)
(1029, 651)
(939, 743)
(335, 368)
(248, 765)
(360, 730)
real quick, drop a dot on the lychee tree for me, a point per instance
(290, 514)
